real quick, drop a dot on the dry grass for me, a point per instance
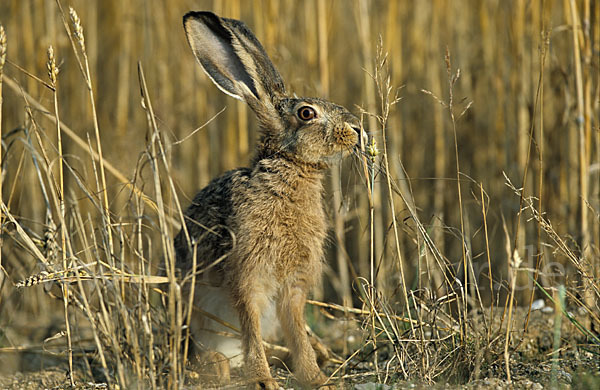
(479, 195)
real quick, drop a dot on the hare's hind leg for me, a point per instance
(213, 326)
(214, 353)
(213, 368)
(290, 309)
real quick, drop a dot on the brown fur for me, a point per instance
(260, 230)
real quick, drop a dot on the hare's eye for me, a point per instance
(306, 113)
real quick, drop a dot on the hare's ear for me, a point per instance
(233, 58)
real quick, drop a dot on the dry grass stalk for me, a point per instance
(2, 62)
(53, 76)
(484, 212)
(375, 220)
(190, 305)
(77, 36)
(339, 216)
(583, 129)
(515, 261)
(363, 12)
(452, 79)
(540, 148)
(388, 98)
(174, 305)
(369, 312)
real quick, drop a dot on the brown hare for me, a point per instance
(258, 232)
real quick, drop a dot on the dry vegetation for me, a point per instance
(480, 196)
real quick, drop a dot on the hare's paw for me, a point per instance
(259, 375)
(266, 383)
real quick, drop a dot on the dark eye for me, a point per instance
(306, 113)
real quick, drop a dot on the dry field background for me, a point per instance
(483, 196)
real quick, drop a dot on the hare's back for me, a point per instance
(209, 220)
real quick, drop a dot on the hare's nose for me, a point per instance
(363, 140)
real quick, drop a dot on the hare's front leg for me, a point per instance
(257, 367)
(290, 310)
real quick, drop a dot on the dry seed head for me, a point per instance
(516, 260)
(77, 28)
(50, 246)
(2, 47)
(33, 280)
(372, 149)
(52, 69)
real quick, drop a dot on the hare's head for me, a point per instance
(305, 129)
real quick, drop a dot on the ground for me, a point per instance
(532, 366)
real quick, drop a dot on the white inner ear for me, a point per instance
(218, 59)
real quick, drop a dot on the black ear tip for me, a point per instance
(199, 15)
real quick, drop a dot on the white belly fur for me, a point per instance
(216, 301)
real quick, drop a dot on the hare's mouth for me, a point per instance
(363, 139)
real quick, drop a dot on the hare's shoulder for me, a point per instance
(212, 207)
(208, 219)
(215, 200)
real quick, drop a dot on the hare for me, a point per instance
(258, 232)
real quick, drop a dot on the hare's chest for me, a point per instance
(298, 233)
(294, 225)
(282, 236)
